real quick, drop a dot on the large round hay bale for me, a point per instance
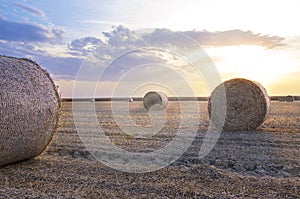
(29, 109)
(155, 99)
(289, 98)
(246, 104)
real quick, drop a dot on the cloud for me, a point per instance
(121, 41)
(61, 66)
(165, 38)
(85, 45)
(103, 22)
(122, 36)
(27, 40)
(33, 10)
(23, 32)
(235, 37)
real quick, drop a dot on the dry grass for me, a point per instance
(67, 170)
(49, 177)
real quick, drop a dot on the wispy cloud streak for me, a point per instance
(33, 10)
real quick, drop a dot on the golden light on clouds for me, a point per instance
(276, 70)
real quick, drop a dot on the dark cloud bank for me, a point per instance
(22, 32)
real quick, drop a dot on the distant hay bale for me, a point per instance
(289, 98)
(157, 99)
(247, 105)
(29, 109)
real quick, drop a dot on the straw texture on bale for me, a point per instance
(289, 98)
(246, 107)
(157, 99)
(29, 109)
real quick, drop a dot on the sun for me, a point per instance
(251, 62)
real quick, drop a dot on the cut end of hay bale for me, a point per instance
(157, 100)
(29, 109)
(238, 105)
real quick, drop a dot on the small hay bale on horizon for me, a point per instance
(238, 105)
(289, 98)
(155, 99)
(29, 109)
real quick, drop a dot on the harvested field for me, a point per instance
(259, 164)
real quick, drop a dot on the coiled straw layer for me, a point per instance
(29, 109)
(238, 105)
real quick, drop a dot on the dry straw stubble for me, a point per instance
(246, 106)
(29, 109)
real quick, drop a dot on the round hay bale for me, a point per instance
(246, 107)
(159, 99)
(289, 98)
(29, 109)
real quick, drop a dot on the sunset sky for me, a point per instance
(258, 40)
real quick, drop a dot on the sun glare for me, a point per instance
(252, 62)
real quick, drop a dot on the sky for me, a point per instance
(124, 48)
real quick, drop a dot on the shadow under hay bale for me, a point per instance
(238, 105)
(157, 99)
(29, 109)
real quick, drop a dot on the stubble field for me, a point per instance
(261, 164)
